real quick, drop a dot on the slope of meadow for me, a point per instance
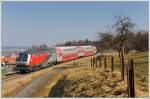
(90, 83)
(85, 81)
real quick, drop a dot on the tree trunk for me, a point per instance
(122, 63)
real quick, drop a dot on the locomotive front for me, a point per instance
(22, 61)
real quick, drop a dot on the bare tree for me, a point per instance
(123, 25)
(105, 40)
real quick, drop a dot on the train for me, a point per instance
(34, 59)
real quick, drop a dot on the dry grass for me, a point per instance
(86, 82)
(140, 71)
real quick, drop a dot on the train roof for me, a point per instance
(66, 47)
(88, 46)
(36, 51)
(74, 46)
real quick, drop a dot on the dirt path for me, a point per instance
(33, 88)
(34, 85)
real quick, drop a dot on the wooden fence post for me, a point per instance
(131, 90)
(122, 66)
(91, 62)
(105, 62)
(112, 63)
(100, 61)
(128, 80)
(96, 60)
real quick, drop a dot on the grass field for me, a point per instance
(141, 70)
(84, 81)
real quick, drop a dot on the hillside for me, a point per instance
(90, 83)
(85, 81)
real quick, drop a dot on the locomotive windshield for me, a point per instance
(22, 56)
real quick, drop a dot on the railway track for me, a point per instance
(11, 77)
(16, 75)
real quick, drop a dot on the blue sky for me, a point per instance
(28, 23)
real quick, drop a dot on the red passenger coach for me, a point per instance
(66, 53)
(94, 50)
(89, 50)
(81, 51)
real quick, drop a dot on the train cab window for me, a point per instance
(22, 56)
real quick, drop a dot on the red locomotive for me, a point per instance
(32, 60)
